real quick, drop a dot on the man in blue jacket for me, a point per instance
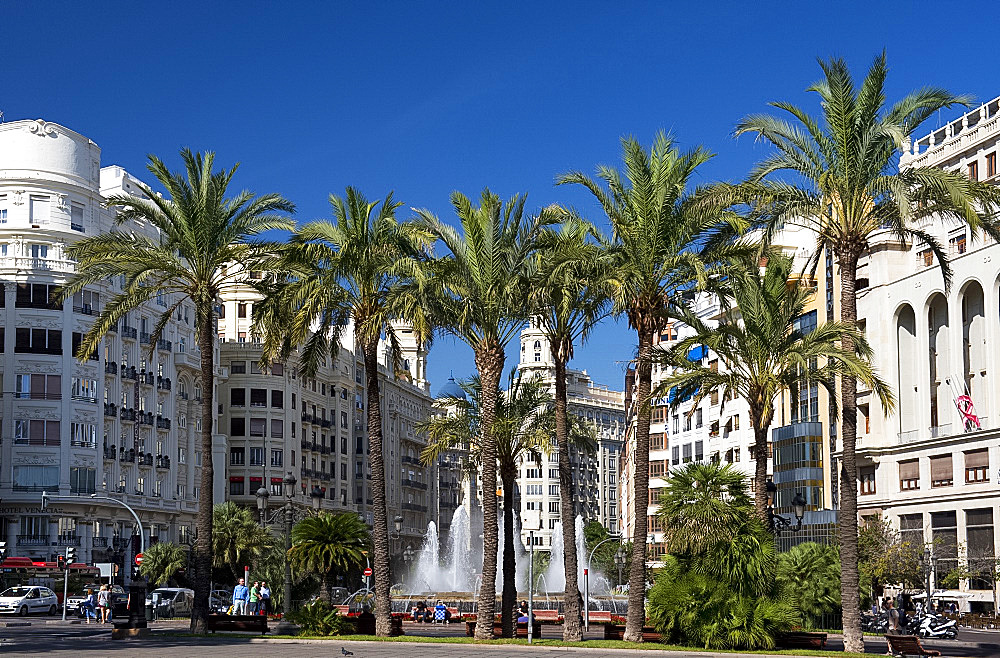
(240, 596)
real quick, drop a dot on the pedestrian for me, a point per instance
(265, 598)
(254, 598)
(104, 604)
(893, 614)
(240, 596)
(87, 606)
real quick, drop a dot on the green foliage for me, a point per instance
(604, 558)
(809, 578)
(161, 561)
(237, 537)
(319, 618)
(328, 543)
(884, 559)
(717, 588)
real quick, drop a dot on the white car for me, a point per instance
(27, 599)
(171, 601)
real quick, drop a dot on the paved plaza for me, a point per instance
(170, 640)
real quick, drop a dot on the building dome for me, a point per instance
(451, 389)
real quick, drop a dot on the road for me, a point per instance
(57, 639)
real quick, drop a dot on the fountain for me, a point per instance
(555, 574)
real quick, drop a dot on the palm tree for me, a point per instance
(568, 300)
(521, 427)
(479, 294)
(201, 232)
(846, 184)
(327, 543)
(663, 239)
(238, 538)
(161, 561)
(335, 272)
(764, 352)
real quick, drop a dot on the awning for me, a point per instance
(977, 459)
(909, 470)
(277, 480)
(236, 478)
(698, 353)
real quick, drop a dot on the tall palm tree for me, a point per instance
(764, 352)
(237, 538)
(845, 183)
(568, 300)
(201, 232)
(333, 273)
(522, 426)
(664, 237)
(327, 543)
(479, 294)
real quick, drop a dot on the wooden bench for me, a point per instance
(802, 640)
(342, 610)
(600, 616)
(521, 629)
(617, 632)
(908, 645)
(548, 616)
(245, 623)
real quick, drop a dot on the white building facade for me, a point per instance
(115, 424)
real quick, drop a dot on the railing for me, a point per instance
(83, 443)
(128, 415)
(147, 378)
(27, 262)
(146, 459)
(113, 328)
(164, 345)
(413, 484)
(162, 423)
(110, 453)
(111, 368)
(144, 337)
(36, 441)
(163, 383)
(406, 459)
(100, 542)
(129, 372)
(32, 540)
(76, 227)
(162, 461)
(146, 418)
(127, 455)
(129, 332)
(84, 310)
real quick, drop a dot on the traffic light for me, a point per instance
(70, 555)
(61, 562)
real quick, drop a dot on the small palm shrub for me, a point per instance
(809, 578)
(319, 618)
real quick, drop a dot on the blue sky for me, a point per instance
(426, 98)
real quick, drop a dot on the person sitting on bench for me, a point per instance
(441, 613)
(422, 613)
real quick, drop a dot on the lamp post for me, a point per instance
(620, 562)
(532, 520)
(408, 555)
(929, 562)
(777, 523)
(586, 580)
(262, 496)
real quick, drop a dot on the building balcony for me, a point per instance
(110, 453)
(147, 378)
(163, 383)
(100, 542)
(162, 462)
(129, 332)
(129, 372)
(145, 418)
(145, 459)
(164, 345)
(128, 415)
(127, 456)
(145, 338)
(110, 409)
(110, 368)
(113, 328)
(32, 540)
(83, 443)
(406, 459)
(324, 450)
(162, 423)
(413, 484)
(86, 309)
(36, 440)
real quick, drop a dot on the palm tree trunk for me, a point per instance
(203, 545)
(489, 363)
(636, 617)
(324, 592)
(760, 471)
(508, 598)
(380, 520)
(572, 632)
(848, 520)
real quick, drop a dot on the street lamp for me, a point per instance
(289, 484)
(929, 562)
(397, 523)
(776, 523)
(586, 579)
(408, 554)
(317, 497)
(262, 496)
(620, 562)
(532, 520)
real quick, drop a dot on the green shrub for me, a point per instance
(319, 618)
(809, 578)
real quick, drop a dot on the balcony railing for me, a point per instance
(111, 368)
(163, 383)
(162, 423)
(100, 542)
(144, 337)
(127, 455)
(162, 461)
(129, 332)
(86, 309)
(164, 345)
(82, 443)
(110, 453)
(110, 409)
(128, 414)
(147, 378)
(32, 540)
(146, 418)
(129, 372)
(36, 441)
(145, 459)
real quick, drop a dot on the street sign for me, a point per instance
(138, 559)
(367, 572)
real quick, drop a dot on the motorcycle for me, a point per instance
(937, 626)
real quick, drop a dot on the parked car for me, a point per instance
(219, 601)
(27, 599)
(171, 601)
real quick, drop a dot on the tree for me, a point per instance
(327, 543)
(809, 578)
(238, 538)
(764, 352)
(479, 293)
(884, 558)
(521, 427)
(568, 300)
(717, 588)
(202, 235)
(604, 557)
(161, 561)
(340, 274)
(845, 182)
(664, 238)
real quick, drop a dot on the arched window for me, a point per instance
(974, 346)
(906, 359)
(538, 345)
(937, 343)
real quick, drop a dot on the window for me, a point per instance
(944, 534)
(977, 465)
(236, 456)
(554, 507)
(553, 489)
(973, 171)
(277, 428)
(83, 435)
(941, 473)
(926, 257)
(980, 548)
(677, 423)
(36, 478)
(657, 441)
(87, 302)
(866, 480)
(36, 295)
(238, 367)
(909, 475)
(256, 456)
(182, 455)
(3, 209)
(991, 165)
(698, 418)
(36, 432)
(237, 427)
(957, 244)
(277, 457)
(241, 309)
(699, 450)
(277, 399)
(38, 387)
(258, 397)
(686, 452)
(37, 341)
(687, 423)
(675, 455)
(241, 337)
(38, 208)
(82, 480)
(533, 473)
(656, 469)
(221, 309)
(236, 486)
(277, 369)
(533, 490)
(258, 426)
(238, 397)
